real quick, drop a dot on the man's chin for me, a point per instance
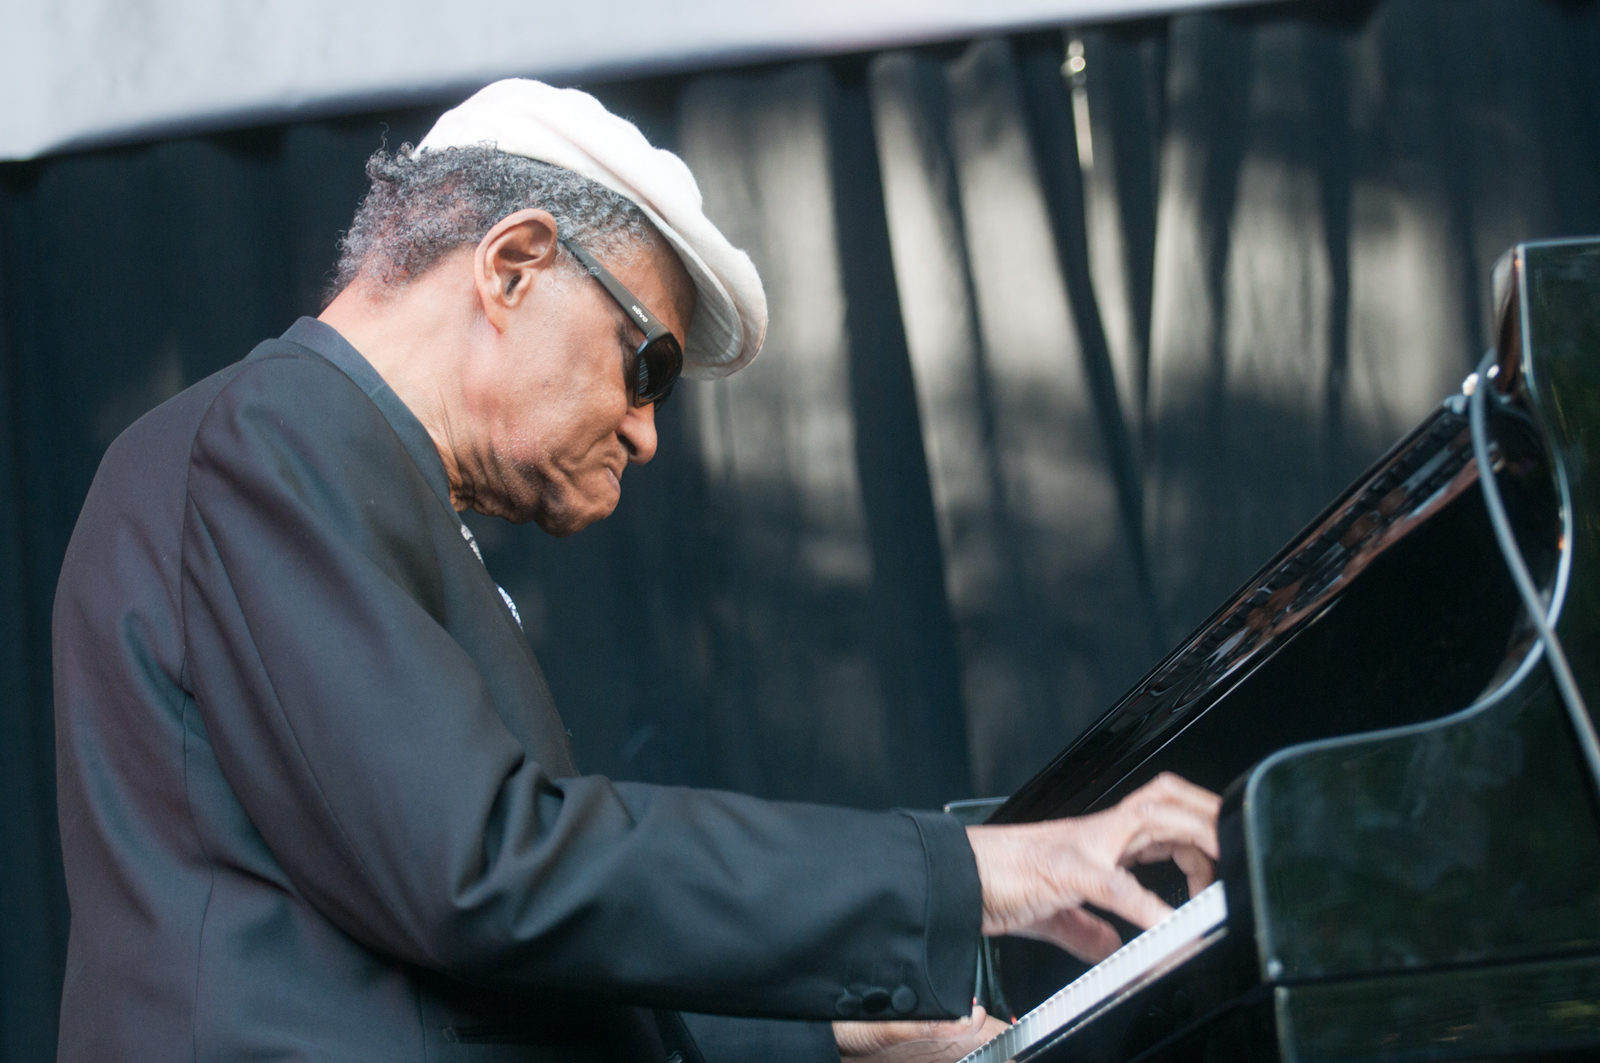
(564, 521)
(557, 508)
(561, 516)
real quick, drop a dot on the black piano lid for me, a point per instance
(1390, 608)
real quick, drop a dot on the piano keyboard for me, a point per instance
(1182, 933)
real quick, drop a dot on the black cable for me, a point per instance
(1582, 725)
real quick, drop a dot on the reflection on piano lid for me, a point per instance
(1411, 837)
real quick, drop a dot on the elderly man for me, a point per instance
(316, 802)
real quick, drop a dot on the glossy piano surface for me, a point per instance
(1392, 607)
(1413, 859)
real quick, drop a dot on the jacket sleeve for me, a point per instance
(366, 749)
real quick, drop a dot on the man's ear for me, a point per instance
(510, 258)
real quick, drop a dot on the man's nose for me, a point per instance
(638, 433)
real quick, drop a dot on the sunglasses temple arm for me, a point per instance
(652, 327)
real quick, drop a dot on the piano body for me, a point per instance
(1411, 830)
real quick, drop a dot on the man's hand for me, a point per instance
(1037, 876)
(915, 1042)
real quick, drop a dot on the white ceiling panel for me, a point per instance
(75, 73)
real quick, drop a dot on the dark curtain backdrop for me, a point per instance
(1056, 359)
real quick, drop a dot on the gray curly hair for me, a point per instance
(422, 206)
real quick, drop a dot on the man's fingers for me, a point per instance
(1157, 824)
(966, 1035)
(1196, 867)
(1150, 824)
(987, 1031)
(1080, 932)
(858, 1038)
(917, 1041)
(1119, 893)
(1174, 788)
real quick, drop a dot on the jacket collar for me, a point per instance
(323, 339)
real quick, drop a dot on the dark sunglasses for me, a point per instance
(659, 359)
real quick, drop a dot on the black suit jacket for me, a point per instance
(316, 801)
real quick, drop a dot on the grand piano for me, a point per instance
(1411, 819)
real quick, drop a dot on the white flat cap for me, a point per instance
(573, 130)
